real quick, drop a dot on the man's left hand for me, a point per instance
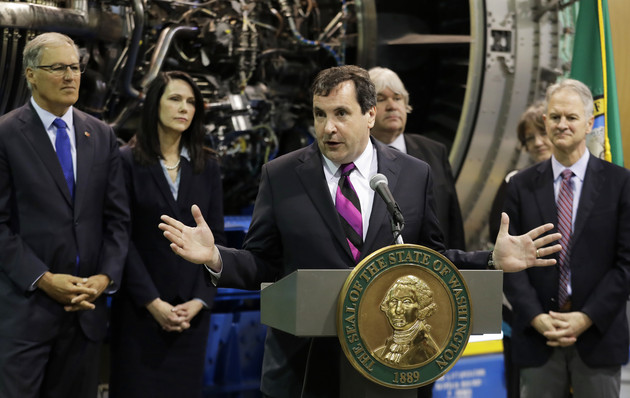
(85, 301)
(569, 326)
(516, 253)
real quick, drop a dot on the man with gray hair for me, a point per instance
(570, 331)
(63, 230)
(392, 107)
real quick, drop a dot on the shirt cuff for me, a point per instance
(205, 306)
(215, 276)
(34, 284)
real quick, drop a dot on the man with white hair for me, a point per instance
(392, 107)
(570, 330)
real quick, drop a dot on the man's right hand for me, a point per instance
(193, 244)
(543, 323)
(554, 330)
(63, 288)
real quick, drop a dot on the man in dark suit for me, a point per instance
(570, 330)
(392, 107)
(296, 224)
(63, 230)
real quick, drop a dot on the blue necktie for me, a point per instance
(64, 153)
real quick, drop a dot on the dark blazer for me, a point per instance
(144, 357)
(446, 201)
(42, 230)
(152, 269)
(295, 225)
(600, 262)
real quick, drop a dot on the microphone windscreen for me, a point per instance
(376, 180)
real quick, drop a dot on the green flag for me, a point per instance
(594, 66)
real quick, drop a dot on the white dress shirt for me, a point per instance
(366, 166)
(47, 119)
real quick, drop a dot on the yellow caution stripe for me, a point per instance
(483, 347)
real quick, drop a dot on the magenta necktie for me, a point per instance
(349, 209)
(565, 220)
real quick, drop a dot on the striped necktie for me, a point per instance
(565, 221)
(64, 153)
(349, 209)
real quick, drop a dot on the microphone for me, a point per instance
(379, 184)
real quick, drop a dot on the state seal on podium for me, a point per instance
(404, 316)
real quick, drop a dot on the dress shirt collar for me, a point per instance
(184, 153)
(578, 168)
(48, 118)
(399, 143)
(363, 163)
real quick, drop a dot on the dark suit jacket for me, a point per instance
(600, 262)
(295, 225)
(446, 201)
(40, 228)
(144, 357)
(152, 269)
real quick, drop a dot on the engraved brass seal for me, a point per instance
(404, 316)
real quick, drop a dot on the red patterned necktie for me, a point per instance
(565, 221)
(349, 209)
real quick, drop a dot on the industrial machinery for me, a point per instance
(471, 67)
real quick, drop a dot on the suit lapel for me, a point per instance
(34, 131)
(310, 173)
(185, 185)
(85, 156)
(160, 180)
(413, 147)
(543, 191)
(593, 181)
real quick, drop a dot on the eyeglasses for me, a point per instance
(60, 69)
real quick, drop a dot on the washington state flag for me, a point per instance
(593, 65)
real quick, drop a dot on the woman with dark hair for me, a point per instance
(160, 316)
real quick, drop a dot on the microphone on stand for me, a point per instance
(379, 184)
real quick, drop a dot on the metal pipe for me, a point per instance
(42, 18)
(74, 21)
(162, 47)
(138, 21)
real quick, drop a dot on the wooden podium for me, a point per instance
(304, 304)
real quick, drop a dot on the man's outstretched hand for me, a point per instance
(195, 244)
(516, 253)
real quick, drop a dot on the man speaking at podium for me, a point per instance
(315, 210)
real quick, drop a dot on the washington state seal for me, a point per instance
(404, 316)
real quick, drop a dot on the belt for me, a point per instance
(567, 306)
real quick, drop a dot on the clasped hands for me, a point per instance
(561, 328)
(75, 293)
(174, 318)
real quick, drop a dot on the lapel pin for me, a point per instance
(86, 134)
